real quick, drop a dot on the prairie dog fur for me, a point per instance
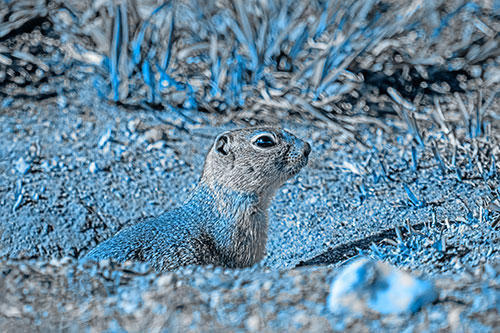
(224, 222)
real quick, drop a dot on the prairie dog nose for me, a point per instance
(307, 149)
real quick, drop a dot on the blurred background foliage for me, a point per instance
(332, 60)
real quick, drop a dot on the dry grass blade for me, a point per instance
(439, 116)
(20, 13)
(296, 100)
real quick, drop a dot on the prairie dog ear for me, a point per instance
(222, 145)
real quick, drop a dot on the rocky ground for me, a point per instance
(75, 170)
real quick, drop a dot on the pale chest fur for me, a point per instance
(240, 229)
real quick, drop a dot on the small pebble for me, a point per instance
(104, 138)
(62, 101)
(153, 135)
(156, 146)
(22, 166)
(93, 167)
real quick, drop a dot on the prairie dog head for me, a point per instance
(256, 160)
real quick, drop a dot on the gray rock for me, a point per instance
(373, 286)
(22, 166)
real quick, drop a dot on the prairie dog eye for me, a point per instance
(265, 141)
